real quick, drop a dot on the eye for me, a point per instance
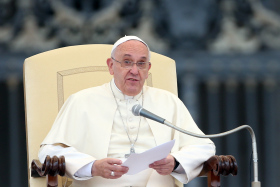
(141, 64)
(127, 62)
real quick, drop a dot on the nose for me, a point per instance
(134, 69)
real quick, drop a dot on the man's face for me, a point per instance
(129, 81)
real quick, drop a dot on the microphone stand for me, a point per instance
(255, 183)
(137, 110)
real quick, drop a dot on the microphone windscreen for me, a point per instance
(136, 109)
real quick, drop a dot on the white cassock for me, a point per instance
(90, 124)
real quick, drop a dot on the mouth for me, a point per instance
(132, 79)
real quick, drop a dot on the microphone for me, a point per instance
(138, 110)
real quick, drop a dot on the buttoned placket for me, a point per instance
(131, 120)
(125, 104)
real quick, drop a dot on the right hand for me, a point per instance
(105, 166)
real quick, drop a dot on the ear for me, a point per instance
(150, 65)
(110, 66)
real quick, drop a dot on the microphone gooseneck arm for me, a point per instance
(137, 110)
(254, 143)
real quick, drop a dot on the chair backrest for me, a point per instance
(51, 77)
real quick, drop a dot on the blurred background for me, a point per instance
(227, 54)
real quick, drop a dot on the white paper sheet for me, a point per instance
(139, 162)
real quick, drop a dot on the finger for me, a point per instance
(160, 162)
(117, 168)
(117, 172)
(114, 161)
(168, 161)
(159, 165)
(115, 176)
(164, 171)
(162, 167)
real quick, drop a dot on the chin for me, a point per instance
(132, 92)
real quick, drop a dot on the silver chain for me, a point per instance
(132, 143)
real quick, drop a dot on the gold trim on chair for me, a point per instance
(149, 80)
(61, 74)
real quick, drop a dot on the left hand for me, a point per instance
(164, 166)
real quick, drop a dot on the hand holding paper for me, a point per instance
(164, 166)
(139, 162)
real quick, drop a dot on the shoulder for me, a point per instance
(159, 92)
(157, 95)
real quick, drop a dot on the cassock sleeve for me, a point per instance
(78, 164)
(192, 152)
(191, 159)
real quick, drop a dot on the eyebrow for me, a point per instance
(128, 55)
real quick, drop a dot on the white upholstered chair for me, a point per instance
(51, 77)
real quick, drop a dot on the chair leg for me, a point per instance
(213, 181)
(52, 181)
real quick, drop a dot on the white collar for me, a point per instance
(120, 95)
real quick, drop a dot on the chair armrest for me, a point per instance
(50, 168)
(216, 166)
(220, 165)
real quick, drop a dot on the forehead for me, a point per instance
(133, 48)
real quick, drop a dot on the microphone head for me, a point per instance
(136, 109)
